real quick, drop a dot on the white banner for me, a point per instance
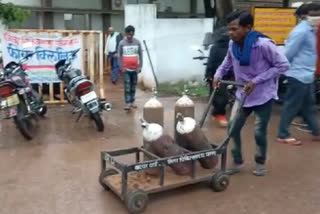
(41, 67)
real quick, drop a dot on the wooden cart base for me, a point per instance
(132, 184)
(150, 184)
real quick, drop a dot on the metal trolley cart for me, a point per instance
(132, 185)
(120, 177)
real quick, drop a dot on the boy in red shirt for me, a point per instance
(130, 61)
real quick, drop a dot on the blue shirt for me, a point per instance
(300, 50)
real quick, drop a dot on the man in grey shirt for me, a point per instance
(130, 61)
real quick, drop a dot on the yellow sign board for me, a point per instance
(276, 23)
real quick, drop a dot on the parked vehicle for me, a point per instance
(17, 98)
(79, 91)
(231, 90)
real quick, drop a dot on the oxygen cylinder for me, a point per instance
(152, 113)
(153, 110)
(185, 106)
(163, 145)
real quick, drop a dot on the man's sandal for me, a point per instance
(290, 141)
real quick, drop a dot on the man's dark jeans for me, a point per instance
(299, 100)
(130, 79)
(237, 121)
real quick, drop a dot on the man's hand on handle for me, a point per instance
(216, 83)
(249, 87)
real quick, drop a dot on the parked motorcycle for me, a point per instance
(17, 98)
(79, 91)
(231, 90)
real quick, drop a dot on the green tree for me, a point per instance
(11, 14)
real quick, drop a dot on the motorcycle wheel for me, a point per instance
(24, 124)
(43, 110)
(39, 100)
(98, 120)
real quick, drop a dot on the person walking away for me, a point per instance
(300, 50)
(301, 14)
(315, 17)
(318, 64)
(130, 61)
(111, 48)
(257, 63)
(217, 53)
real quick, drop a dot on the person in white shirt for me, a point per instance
(111, 48)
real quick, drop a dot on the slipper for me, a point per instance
(291, 141)
(127, 108)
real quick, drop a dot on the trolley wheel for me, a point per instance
(220, 181)
(104, 174)
(136, 201)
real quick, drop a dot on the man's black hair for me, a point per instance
(302, 10)
(129, 29)
(244, 17)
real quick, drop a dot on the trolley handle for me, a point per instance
(227, 82)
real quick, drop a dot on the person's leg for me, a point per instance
(115, 69)
(134, 80)
(112, 67)
(222, 100)
(127, 88)
(236, 123)
(309, 111)
(263, 115)
(292, 105)
(210, 86)
(317, 90)
(298, 121)
(219, 106)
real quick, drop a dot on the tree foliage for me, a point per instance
(10, 14)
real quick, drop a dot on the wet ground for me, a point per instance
(58, 171)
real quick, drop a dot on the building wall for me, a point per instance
(32, 21)
(96, 22)
(247, 5)
(58, 21)
(78, 22)
(117, 21)
(180, 6)
(32, 3)
(170, 44)
(200, 7)
(80, 4)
